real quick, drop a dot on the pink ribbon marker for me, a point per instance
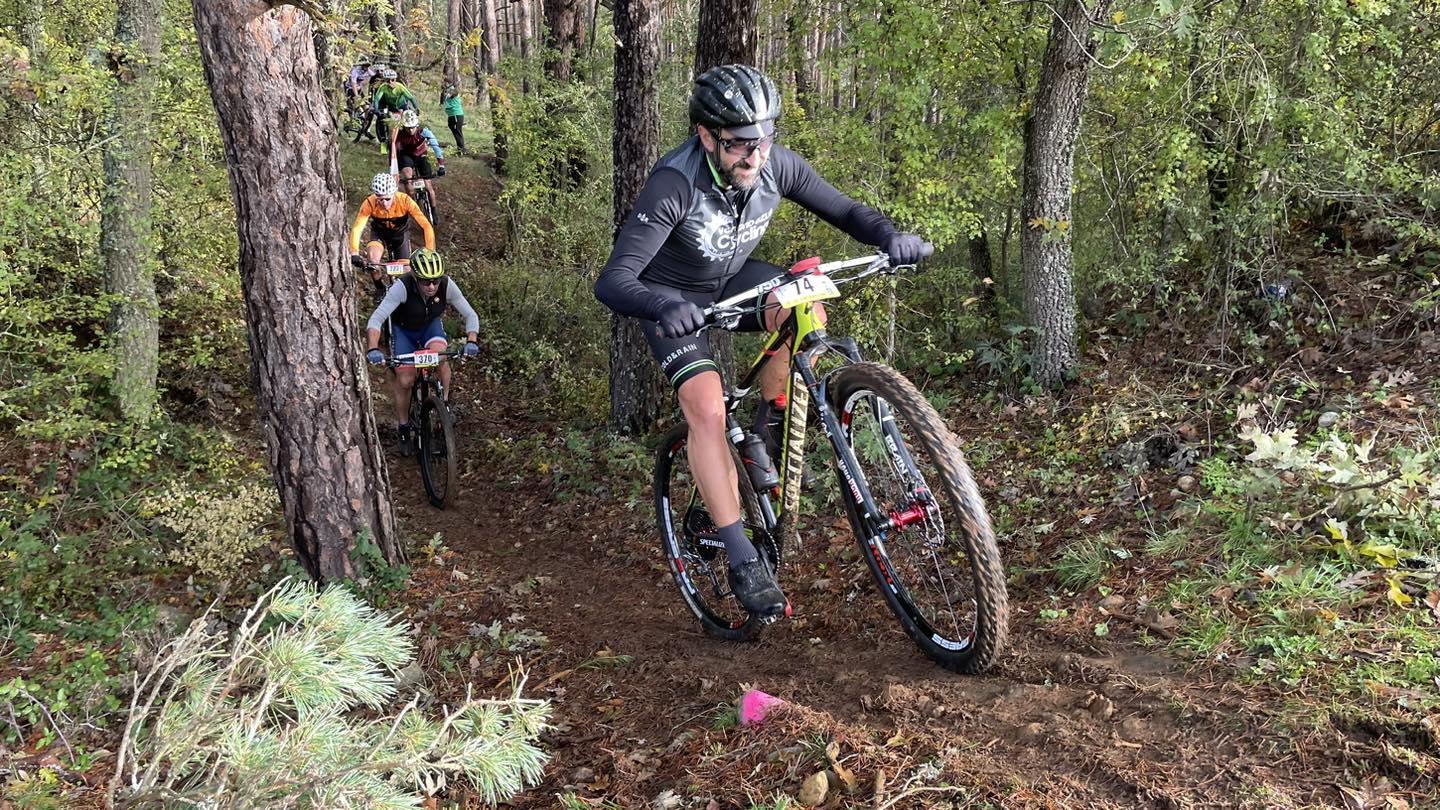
(755, 705)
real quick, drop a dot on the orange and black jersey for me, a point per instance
(390, 221)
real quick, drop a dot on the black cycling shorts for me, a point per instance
(396, 241)
(683, 357)
(424, 165)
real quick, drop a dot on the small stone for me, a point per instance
(1132, 729)
(1111, 603)
(813, 790)
(666, 801)
(582, 775)
(820, 585)
(1032, 732)
(1327, 419)
(1186, 483)
(410, 675)
(1100, 707)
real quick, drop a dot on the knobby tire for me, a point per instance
(941, 575)
(700, 572)
(437, 450)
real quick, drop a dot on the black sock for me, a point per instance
(737, 546)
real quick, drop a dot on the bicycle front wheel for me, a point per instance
(437, 449)
(692, 547)
(935, 558)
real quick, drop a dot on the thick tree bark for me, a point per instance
(637, 388)
(310, 378)
(727, 33)
(453, 33)
(331, 76)
(491, 38)
(564, 34)
(395, 21)
(125, 212)
(1046, 231)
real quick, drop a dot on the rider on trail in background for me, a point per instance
(415, 304)
(389, 213)
(417, 154)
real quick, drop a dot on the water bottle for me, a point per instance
(757, 463)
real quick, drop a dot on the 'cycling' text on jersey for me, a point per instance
(719, 236)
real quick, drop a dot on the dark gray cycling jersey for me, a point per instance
(689, 233)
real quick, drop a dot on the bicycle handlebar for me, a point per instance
(739, 304)
(408, 359)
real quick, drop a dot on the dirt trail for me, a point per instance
(1058, 723)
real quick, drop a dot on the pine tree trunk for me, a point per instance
(309, 374)
(526, 46)
(453, 33)
(637, 388)
(1046, 230)
(562, 37)
(727, 33)
(491, 38)
(125, 240)
(331, 78)
(32, 28)
(399, 52)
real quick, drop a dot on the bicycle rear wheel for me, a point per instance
(938, 564)
(693, 549)
(427, 206)
(437, 449)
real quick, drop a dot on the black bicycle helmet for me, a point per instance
(731, 96)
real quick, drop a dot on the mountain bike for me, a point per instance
(909, 495)
(358, 119)
(432, 423)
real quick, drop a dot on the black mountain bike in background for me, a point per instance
(910, 497)
(432, 423)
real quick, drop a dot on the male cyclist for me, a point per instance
(390, 97)
(389, 213)
(687, 243)
(415, 304)
(417, 153)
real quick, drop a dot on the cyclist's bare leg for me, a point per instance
(404, 381)
(776, 374)
(702, 399)
(438, 345)
(377, 253)
(406, 175)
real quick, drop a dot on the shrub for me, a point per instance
(215, 529)
(267, 717)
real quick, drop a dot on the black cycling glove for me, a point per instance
(679, 318)
(907, 248)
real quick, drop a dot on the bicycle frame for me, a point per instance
(807, 339)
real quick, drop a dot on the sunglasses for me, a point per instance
(744, 147)
(429, 282)
(386, 200)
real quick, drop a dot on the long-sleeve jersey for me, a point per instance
(393, 98)
(399, 294)
(416, 144)
(688, 232)
(391, 221)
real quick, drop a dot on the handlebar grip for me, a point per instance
(927, 250)
(356, 261)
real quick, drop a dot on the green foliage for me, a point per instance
(214, 529)
(269, 716)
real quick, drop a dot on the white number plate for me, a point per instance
(396, 268)
(425, 359)
(417, 184)
(806, 289)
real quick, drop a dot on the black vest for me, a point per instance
(417, 312)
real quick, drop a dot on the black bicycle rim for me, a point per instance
(696, 558)
(437, 450)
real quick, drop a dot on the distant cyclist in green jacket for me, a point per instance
(455, 115)
(391, 97)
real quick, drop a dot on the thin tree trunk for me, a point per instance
(526, 47)
(491, 36)
(310, 379)
(331, 79)
(1046, 230)
(453, 33)
(637, 388)
(125, 214)
(395, 22)
(32, 28)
